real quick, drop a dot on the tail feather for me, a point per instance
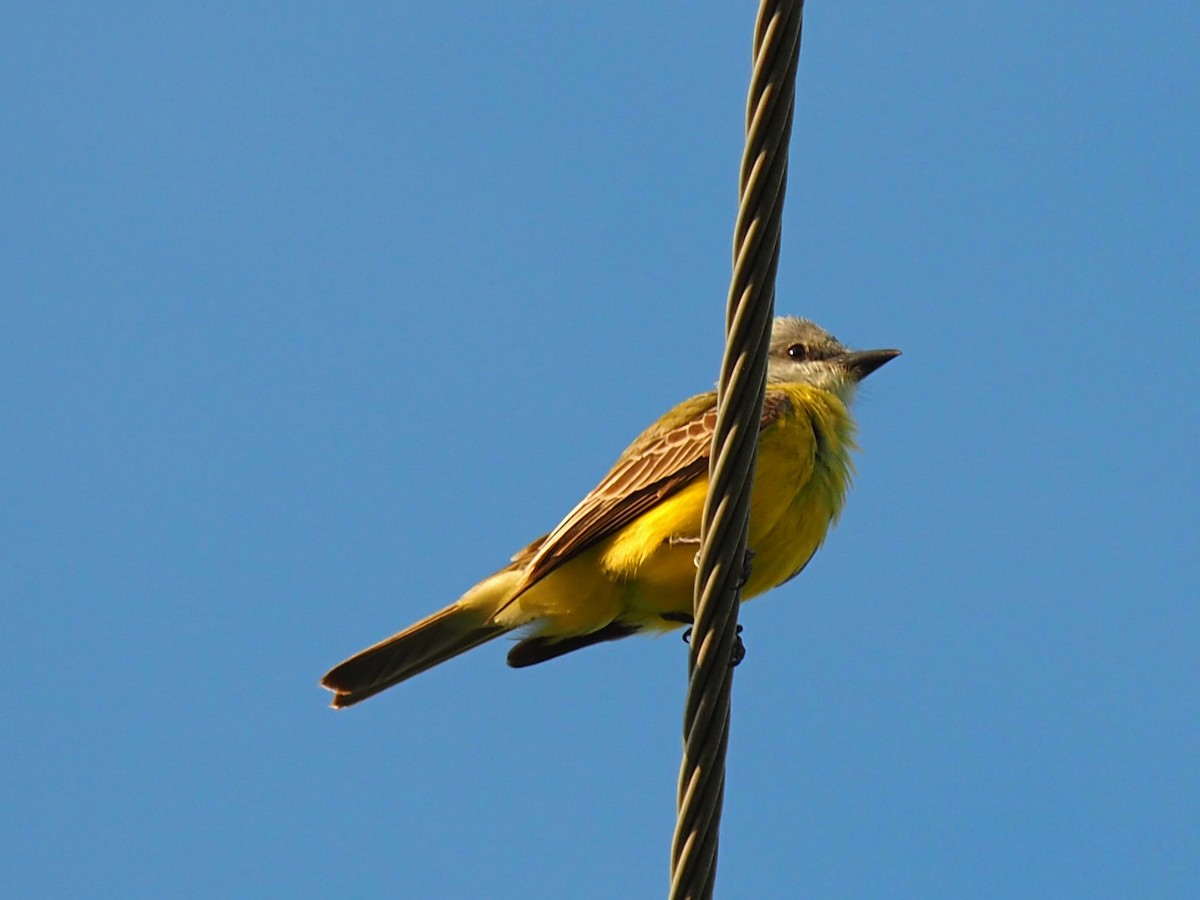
(439, 637)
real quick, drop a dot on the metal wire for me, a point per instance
(740, 393)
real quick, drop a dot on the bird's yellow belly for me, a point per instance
(796, 494)
(787, 547)
(647, 569)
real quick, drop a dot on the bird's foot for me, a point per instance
(736, 654)
(681, 619)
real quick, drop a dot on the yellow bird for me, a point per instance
(623, 560)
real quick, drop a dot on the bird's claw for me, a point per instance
(736, 654)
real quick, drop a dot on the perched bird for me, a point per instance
(623, 560)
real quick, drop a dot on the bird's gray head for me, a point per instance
(805, 353)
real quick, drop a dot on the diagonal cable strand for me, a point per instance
(762, 183)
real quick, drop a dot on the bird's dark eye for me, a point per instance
(798, 351)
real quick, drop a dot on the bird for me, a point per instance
(623, 560)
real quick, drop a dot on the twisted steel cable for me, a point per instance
(740, 392)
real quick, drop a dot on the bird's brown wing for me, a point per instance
(664, 458)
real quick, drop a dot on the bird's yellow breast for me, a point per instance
(800, 482)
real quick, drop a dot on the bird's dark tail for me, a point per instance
(459, 627)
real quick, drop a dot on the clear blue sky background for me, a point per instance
(310, 314)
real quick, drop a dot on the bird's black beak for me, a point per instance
(861, 363)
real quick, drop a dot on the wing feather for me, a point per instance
(666, 457)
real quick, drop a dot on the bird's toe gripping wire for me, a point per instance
(736, 654)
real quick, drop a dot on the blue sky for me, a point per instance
(311, 314)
